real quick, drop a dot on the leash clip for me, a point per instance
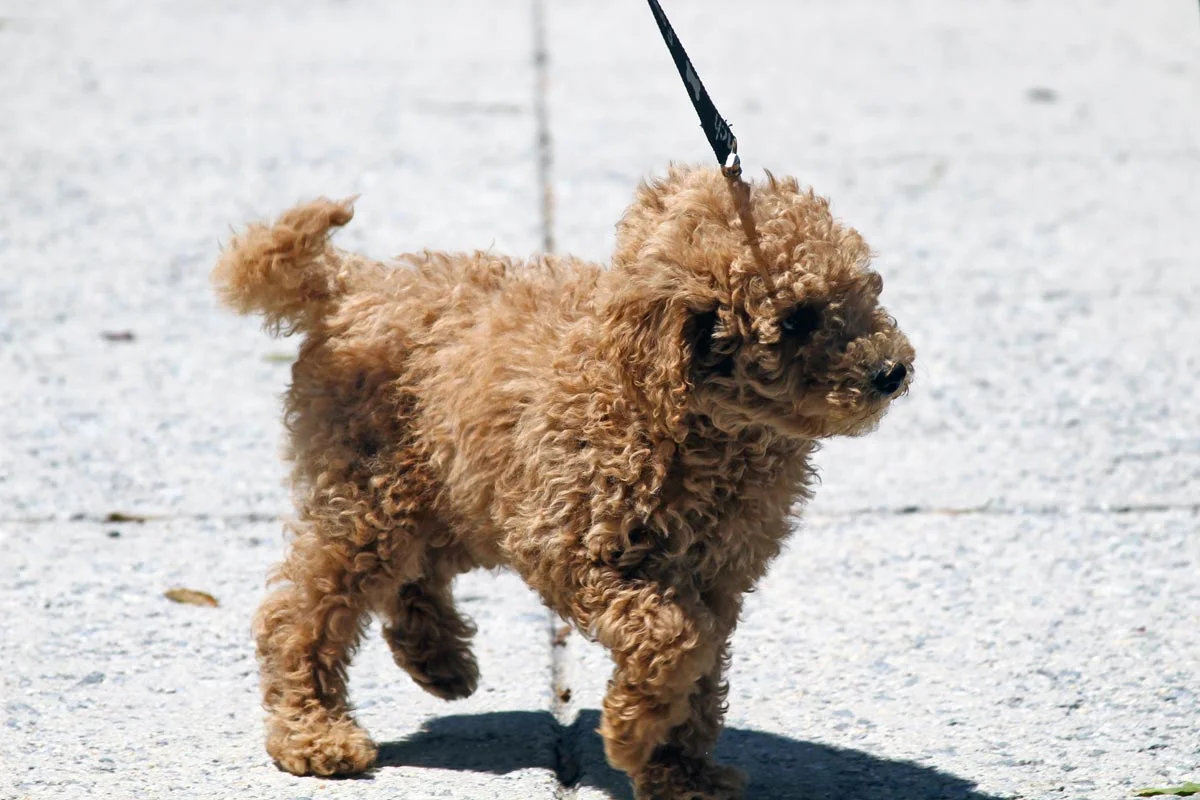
(732, 168)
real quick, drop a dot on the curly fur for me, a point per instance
(630, 440)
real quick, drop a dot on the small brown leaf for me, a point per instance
(564, 695)
(191, 596)
(121, 516)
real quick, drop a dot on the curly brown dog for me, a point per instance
(630, 440)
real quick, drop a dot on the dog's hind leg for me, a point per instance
(306, 632)
(430, 640)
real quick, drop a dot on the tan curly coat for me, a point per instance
(630, 440)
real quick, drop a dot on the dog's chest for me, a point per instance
(726, 503)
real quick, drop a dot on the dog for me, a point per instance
(631, 440)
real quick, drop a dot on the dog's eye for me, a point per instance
(801, 322)
(704, 325)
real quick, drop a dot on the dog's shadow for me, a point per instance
(780, 768)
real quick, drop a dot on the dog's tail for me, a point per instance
(288, 272)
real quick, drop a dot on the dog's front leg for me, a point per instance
(683, 766)
(663, 707)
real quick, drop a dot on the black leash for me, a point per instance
(720, 137)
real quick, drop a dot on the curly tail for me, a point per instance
(288, 272)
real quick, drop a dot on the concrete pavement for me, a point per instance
(995, 596)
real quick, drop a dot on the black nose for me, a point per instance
(889, 379)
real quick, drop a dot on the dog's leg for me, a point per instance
(683, 766)
(430, 640)
(306, 632)
(664, 645)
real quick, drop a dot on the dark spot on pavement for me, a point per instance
(1041, 94)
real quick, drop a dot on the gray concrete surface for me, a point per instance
(995, 596)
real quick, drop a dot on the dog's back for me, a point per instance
(421, 369)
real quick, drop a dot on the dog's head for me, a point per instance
(784, 331)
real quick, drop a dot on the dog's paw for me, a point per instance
(690, 779)
(452, 675)
(320, 747)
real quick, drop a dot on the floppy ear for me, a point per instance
(652, 341)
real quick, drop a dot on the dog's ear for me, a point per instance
(653, 341)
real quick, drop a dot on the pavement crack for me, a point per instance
(1008, 511)
(566, 751)
(125, 518)
(254, 517)
(544, 142)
